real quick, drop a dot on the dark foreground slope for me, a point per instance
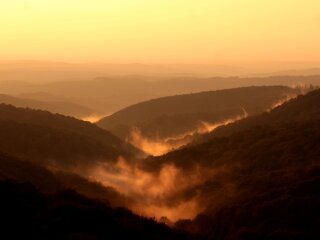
(171, 116)
(29, 214)
(52, 181)
(270, 187)
(265, 178)
(53, 138)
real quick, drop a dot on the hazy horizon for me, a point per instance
(122, 31)
(49, 70)
(168, 119)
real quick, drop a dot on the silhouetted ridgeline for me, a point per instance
(51, 182)
(42, 136)
(108, 94)
(29, 214)
(170, 116)
(62, 107)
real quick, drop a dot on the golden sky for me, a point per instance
(193, 31)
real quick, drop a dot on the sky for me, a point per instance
(166, 31)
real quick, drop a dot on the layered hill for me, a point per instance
(110, 93)
(170, 116)
(62, 107)
(56, 139)
(49, 182)
(259, 181)
(300, 109)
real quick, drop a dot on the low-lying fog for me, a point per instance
(167, 191)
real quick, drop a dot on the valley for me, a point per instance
(160, 120)
(180, 180)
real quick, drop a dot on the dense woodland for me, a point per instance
(48, 181)
(263, 182)
(160, 120)
(267, 186)
(301, 109)
(170, 116)
(28, 213)
(45, 137)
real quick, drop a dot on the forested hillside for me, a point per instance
(264, 178)
(170, 116)
(52, 138)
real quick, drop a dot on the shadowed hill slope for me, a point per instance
(266, 186)
(266, 176)
(302, 108)
(170, 116)
(42, 136)
(52, 181)
(69, 215)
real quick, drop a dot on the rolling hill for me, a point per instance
(110, 93)
(49, 182)
(256, 178)
(263, 177)
(62, 107)
(56, 139)
(170, 116)
(300, 109)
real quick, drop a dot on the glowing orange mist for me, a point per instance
(157, 147)
(282, 101)
(153, 190)
(209, 127)
(93, 118)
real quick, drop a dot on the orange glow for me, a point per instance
(153, 191)
(93, 118)
(282, 101)
(157, 147)
(186, 210)
(204, 31)
(209, 127)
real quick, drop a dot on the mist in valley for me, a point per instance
(178, 120)
(174, 150)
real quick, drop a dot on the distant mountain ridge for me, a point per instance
(108, 94)
(65, 108)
